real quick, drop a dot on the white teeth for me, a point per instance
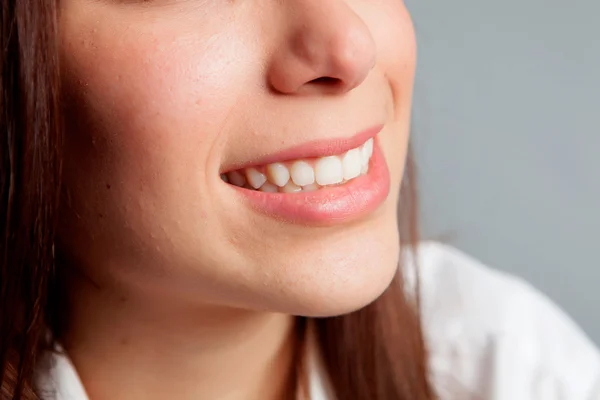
(364, 158)
(329, 171)
(302, 173)
(278, 174)
(290, 188)
(364, 168)
(268, 187)
(255, 178)
(310, 188)
(369, 145)
(364, 154)
(352, 164)
(236, 178)
(305, 175)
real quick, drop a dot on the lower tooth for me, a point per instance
(310, 188)
(268, 188)
(290, 188)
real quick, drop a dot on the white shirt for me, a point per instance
(491, 336)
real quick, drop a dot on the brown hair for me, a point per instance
(375, 353)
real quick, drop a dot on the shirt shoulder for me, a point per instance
(494, 336)
(56, 377)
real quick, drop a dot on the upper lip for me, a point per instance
(313, 149)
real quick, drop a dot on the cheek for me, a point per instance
(143, 95)
(147, 93)
(144, 104)
(395, 37)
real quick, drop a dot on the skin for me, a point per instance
(175, 287)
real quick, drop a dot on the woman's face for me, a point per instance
(164, 98)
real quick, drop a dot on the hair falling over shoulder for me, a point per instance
(377, 353)
(30, 132)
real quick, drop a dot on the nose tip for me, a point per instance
(328, 54)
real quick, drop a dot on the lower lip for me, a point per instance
(328, 205)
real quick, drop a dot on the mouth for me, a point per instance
(305, 175)
(321, 183)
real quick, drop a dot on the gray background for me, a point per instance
(506, 118)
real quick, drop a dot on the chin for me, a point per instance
(352, 294)
(339, 283)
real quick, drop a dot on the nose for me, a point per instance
(325, 47)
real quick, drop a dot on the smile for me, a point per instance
(321, 183)
(305, 175)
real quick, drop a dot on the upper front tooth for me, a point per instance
(278, 174)
(364, 156)
(369, 147)
(329, 171)
(302, 173)
(352, 164)
(255, 178)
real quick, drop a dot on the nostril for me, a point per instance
(326, 80)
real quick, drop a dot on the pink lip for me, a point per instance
(329, 205)
(315, 149)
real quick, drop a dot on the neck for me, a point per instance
(133, 348)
